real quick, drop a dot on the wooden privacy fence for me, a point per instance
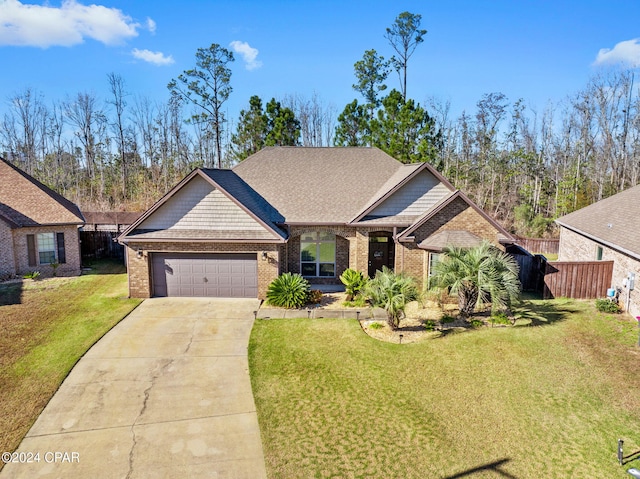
(583, 280)
(100, 244)
(540, 245)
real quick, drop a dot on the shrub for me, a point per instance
(500, 318)
(376, 326)
(476, 323)
(315, 296)
(32, 275)
(606, 306)
(446, 318)
(392, 292)
(354, 282)
(430, 325)
(288, 291)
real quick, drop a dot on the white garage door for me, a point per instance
(209, 275)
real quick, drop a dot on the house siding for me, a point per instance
(7, 257)
(72, 267)
(199, 206)
(139, 267)
(419, 195)
(576, 247)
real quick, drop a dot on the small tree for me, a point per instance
(392, 292)
(478, 276)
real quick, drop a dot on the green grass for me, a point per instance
(45, 327)
(547, 399)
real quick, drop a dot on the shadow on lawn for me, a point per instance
(11, 293)
(541, 313)
(492, 466)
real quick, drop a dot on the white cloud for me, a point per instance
(151, 25)
(67, 25)
(626, 52)
(249, 54)
(157, 58)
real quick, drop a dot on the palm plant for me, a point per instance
(478, 276)
(354, 282)
(392, 292)
(288, 291)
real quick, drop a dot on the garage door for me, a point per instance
(210, 275)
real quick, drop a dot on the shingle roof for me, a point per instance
(461, 239)
(24, 201)
(318, 185)
(614, 221)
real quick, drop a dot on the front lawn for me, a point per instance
(45, 327)
(548, 401)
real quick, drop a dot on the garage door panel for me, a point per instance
(210, 275)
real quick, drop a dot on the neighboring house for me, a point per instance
(607, 231)
(313, 211)
(38, 227)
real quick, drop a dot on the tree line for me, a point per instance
(524, 166)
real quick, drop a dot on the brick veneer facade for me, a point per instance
(457, 215)
(7, 258)
(352, 249)
(139, 267)
(72, 266)
(576, 247)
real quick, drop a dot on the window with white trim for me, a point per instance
(433, 260)
(318, 254)
(46, 248)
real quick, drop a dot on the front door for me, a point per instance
(380, 252)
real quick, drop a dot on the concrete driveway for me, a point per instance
(165, 394)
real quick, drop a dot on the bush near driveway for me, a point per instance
(45, 327)
(546, 401)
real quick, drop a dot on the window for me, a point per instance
(46, 248)
(599, 253)
(318, 254)
(433, 260)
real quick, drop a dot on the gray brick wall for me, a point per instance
(575, 247)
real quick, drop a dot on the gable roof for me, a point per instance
(502, 233)
(612, 221)
(24, 201)
(310, 185)
(228, 187)
(403, 175)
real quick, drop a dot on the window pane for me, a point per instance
(327, 252)
(46, 248)
(308, 251)
(327, 236)
(309, 236)
(433, 260)
(308, 269)
(327, 269)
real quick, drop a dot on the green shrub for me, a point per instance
(476, 323)
(446, 318)
(315, 296)
(354, 282)
(500, 318)
(430, 325)
(376, 326)
(32, 275)
(606, 306)
(392, 292)
(288, 291)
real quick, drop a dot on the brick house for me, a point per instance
(607, 231)
(313, 211)
(38, 227)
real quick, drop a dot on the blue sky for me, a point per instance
(540, 51)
